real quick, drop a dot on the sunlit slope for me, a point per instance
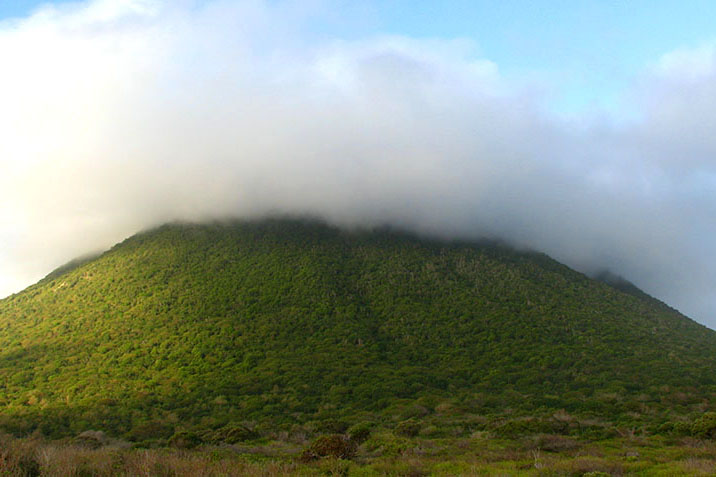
(285, 320)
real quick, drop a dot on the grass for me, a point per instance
(478, 455)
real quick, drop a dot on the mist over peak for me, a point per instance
(120, 115)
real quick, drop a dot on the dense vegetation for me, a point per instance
(295, 325)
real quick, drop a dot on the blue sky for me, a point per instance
(586, 52)
(19, 8)
(583, 129)
(590, 50)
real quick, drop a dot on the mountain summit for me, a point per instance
(289, 321)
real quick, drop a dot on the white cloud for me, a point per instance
(688, 63)
(118, 115)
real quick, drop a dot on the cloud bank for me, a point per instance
(122, 114)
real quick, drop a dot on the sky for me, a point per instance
(580, 129)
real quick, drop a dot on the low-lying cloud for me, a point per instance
(122, 114)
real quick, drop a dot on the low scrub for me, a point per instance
(184, 440)
(19, 460)
(553, 443)
(408, 428)
(705, 426)
(334, 445)
(234, 433)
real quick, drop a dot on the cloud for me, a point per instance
(122, 114)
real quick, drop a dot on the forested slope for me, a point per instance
(284, 321)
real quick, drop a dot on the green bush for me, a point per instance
(332, 426)
(526, 426)
(415, 412)
(681, 428)
(150, 430)
(360, 432)
(675, 428)
(234, 433)
(705, 426)
(408, 428)
(184, 440)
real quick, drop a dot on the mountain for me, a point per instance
(282, 321)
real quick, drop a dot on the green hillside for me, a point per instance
(282, 322)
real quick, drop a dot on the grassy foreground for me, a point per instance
(383, 453)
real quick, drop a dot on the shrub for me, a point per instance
(21, 461)
(408, 428)
(677, 428)
(581, 466)
(682, 428)
(415, 411)
(664, 428)
(28, 466)
(553, 443)
(705, 426)
(234, 433)
(387, 444)
(332, 426)
(150, 430)
(91, 439)
(360, 433)
(335, 467)
(525, 426)
(333, 445)
(184, 440)
(517, 428)
(432, 431)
